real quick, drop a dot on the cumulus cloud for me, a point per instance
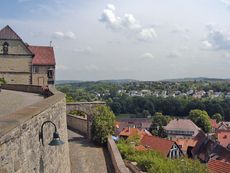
(64, 35)
(217, 38)
(126, 23)
(147, 56)
(206, 44)
(147, 34)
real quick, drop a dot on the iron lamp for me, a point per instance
(56, 138)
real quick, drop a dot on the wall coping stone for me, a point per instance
(116, 158)
(15, 119)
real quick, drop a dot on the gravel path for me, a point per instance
(86, 157)
(10, 101)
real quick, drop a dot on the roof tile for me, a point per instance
(43, 55)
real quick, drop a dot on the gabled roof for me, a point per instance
(158, 144)
(127, 132)
(8, 34)
(182, 125)
(43, 55)
(218, 166)
(185, 143)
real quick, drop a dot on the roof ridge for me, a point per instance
(8, 33)
(40, 46)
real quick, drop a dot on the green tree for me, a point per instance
(69, 98)
(145, 113)
(158, 121)
(102, 124)
(217, 116)
(201, 119)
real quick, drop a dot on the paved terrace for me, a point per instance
(85, 157)
(11, 101)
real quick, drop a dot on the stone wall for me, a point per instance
(77, 123)
(15, 67)
(21, 150)
(118, 163)
(86, 107)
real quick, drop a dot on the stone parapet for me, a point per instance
(118, 163)
(21, 150)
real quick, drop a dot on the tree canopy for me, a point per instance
(201, 119)
(158, 121)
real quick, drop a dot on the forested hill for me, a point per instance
(147, 97)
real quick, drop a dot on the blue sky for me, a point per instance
(114, 39)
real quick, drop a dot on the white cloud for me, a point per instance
(206, 44)
(218, 38)
(64, 35)
(109, 18)
(147, 56)
(127, 23)
(111, 7)
(147, 34)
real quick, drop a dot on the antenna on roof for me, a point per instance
(50, 43)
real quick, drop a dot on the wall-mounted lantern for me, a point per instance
(56, 138)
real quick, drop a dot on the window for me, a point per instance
(5, 48)
(35, 69)
(50, 73)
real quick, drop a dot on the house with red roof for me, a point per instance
(129, 131)
(21, 63)
(166, 147)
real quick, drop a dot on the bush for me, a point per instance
(152, 162)
(103, 123)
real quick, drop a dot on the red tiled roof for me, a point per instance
(8, 33)
(213, 123)
(127, 132)
(158, 144)
(218, 166)
(185, 143)
(223, 136)
(43, 55)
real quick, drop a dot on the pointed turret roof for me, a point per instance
(8, 33)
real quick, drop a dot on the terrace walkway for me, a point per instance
(11, 101)
(85, 157)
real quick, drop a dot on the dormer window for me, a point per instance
(5, 48)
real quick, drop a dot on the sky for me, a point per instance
(127, 39)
